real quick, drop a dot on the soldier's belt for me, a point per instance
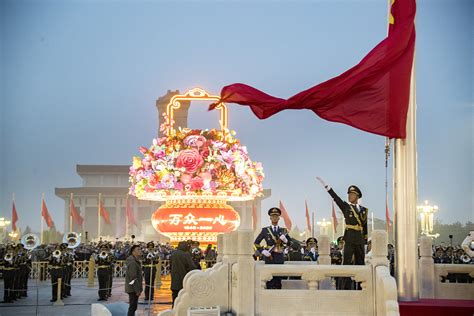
(8, 269)
(354, 227)
(103, 267)
(149, 265)
(56, 267)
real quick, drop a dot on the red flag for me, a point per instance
(388, 224)
(45, 214)
(103, 212)
(372, 96)
(334, 217)
(308, 221)
(130, 216)
(74, 213)
(14, 217)
(254, 216)
(285, 216)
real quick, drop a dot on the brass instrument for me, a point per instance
(465, 258)
(150, 256)
(72, 239)
(8, 257)
(103, 254)
(30, 241)
(57, 254)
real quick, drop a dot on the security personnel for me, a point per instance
(8, 263)
(311, 250)
(196, 254)
(276, 238)
(355, 216)
(56, 267)
(103, 262)
(149, 270)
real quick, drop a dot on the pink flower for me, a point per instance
(194, 141)
(196, 183)
(185, 178)
(190, 159)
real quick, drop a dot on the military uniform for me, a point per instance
(8, 263)
(56, 269)
(149, 270)
(103, 262)
(311, 253)
(24, 268)
(68, 270)
(274, 245)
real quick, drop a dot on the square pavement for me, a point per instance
(39, 294)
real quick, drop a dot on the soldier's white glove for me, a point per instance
(323, 183)
(283, 238)
(266, 253)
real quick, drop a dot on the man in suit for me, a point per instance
(276, 238)
(181, 263)
(133, 278)
(355, 216)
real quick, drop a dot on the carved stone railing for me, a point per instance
(386, 299)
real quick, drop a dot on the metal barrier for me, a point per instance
(40, 271)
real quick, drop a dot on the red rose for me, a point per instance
(196, 183)
(153, 180)
(205, 152)
(190, 160)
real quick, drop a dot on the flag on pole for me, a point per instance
(45, 214)
(130, 216)
(371, 96)
(334, 217)
(74, 213)
(285, 216)
(14, 216)
(388, 224)
(254, 216)
(103, 212)
(308, 221)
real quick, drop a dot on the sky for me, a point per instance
(79, 81)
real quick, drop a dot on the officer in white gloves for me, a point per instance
(276, 239)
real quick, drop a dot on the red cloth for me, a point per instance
(130, 216)
(437, 307)
(77, 218)
(372, 96)
(103, 212)
(308, 222)
(14, 217)
(334, 218)
(387, 216)
(46, 216)
(285, 216)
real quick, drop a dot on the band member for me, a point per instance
(24, 264)
(68, 269)
(103, 262)
(111, 270)
(56, 266)
(355, 216)
(8, 263)
(311, 250)
(276, 238)
(149, 270)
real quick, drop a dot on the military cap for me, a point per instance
(339, 239)
(63, 245)
(311, 240)
(274, 210)
(354, 189)
(150, 244)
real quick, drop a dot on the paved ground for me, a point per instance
(39, 294)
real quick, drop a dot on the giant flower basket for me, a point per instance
(196, 172)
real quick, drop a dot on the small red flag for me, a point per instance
(308, 221)
(334, 217)
(74, 213)
(45, 214)
(103, 212)
(254, 216)
(14, 217)
(130, 216)
(285, 216)
(388, 224)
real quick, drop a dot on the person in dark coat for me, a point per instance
(133, 278)
(181, 263)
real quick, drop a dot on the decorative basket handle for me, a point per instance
(196, 94)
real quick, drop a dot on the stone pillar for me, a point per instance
(324, 250)
(180, 115)
(379, 248)
(243, 275)
(426, 268)
(245, 217)
(220, 247)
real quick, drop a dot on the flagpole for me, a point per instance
(13, 201)
(373, 224)
(126, 216)
(42, 229)
(98, 216)
(70, 213)
(312, 227)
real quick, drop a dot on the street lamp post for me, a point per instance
(13, 235)
(323, 227)
(426, 212)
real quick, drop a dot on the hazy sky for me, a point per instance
(79, 80)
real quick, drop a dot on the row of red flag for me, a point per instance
(289, 223)
(74, 213)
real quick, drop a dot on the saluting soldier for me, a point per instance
(8, 263)
(311, 253)
(149, 270)
(276, 238)
(56, 267)
(103, 262)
